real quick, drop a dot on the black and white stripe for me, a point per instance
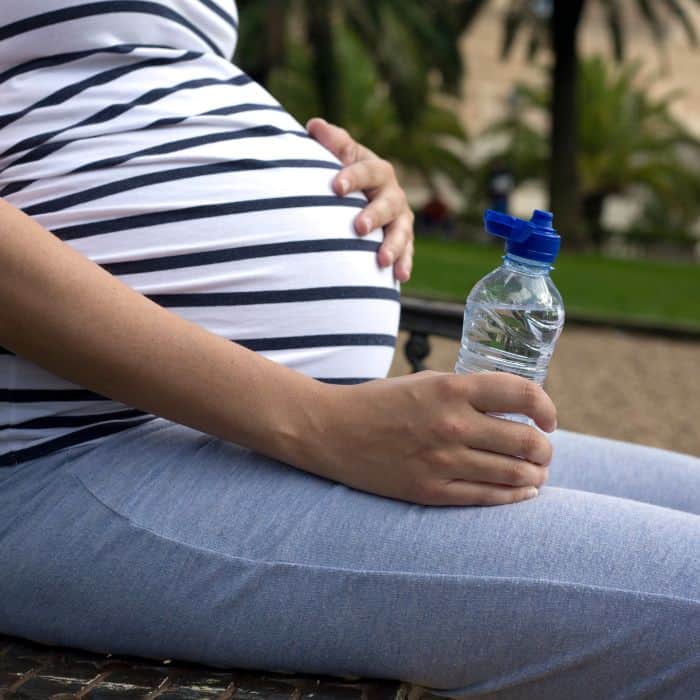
(111, 11)
(132, 138)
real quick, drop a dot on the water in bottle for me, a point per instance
(514, 316)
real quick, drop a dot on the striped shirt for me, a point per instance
(126, 130)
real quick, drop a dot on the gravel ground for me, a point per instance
(613, 384)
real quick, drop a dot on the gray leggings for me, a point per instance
(162, 541)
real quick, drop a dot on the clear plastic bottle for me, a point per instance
(514, 316)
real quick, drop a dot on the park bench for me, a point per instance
(31, 671)
(421, 318)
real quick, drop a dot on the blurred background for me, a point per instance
(588, 108)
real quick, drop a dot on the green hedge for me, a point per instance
(645, 290)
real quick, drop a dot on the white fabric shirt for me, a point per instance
(126, 131)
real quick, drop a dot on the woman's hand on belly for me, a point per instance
(388, 207)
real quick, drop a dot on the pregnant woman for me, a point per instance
(200, 457)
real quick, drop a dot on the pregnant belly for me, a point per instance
(190, 184)
(230, 222)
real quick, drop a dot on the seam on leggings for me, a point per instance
(627, 499)
(387, 572)
(641, 689)
(553, 666)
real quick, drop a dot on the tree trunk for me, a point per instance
(592, 210)
(564, 198)
(275, 38)
(325, 71)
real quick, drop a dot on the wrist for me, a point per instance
(300, 416)
(327, 436)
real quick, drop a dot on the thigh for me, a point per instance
(624, 469)
(179, 545)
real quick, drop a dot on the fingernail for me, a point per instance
(366, 223)
(531, 492)
(343, 185)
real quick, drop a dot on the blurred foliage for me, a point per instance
(409, 42)
(390, 72)
(628, 141)
(378, 69)
(533, 16)
(429, 146)
(555, 24)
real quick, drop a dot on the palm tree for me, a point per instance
(432, 145)
(408, 42)
(377, 68)
(556, 22)
(626, 139)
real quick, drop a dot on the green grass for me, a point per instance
(647, 291)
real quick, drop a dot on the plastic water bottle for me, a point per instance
(514, 316)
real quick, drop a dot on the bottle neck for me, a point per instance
(526, 265)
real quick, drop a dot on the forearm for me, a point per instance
(65, 313)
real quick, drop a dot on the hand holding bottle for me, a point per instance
(426, 438)
(515, 314)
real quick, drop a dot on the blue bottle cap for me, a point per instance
(534, 239)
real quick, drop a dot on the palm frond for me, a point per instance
(432, 144)
(515, 18)
(615, 25)
(627, 139)
(648, 11)
(467, 11)
(682, 16)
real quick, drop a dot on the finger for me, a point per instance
(337, 140)
(404, 265)
(389, 203)
(457, 492)
(502, 392)
(364, 175)
(506, 437)
(490, 468)
(397, 237)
